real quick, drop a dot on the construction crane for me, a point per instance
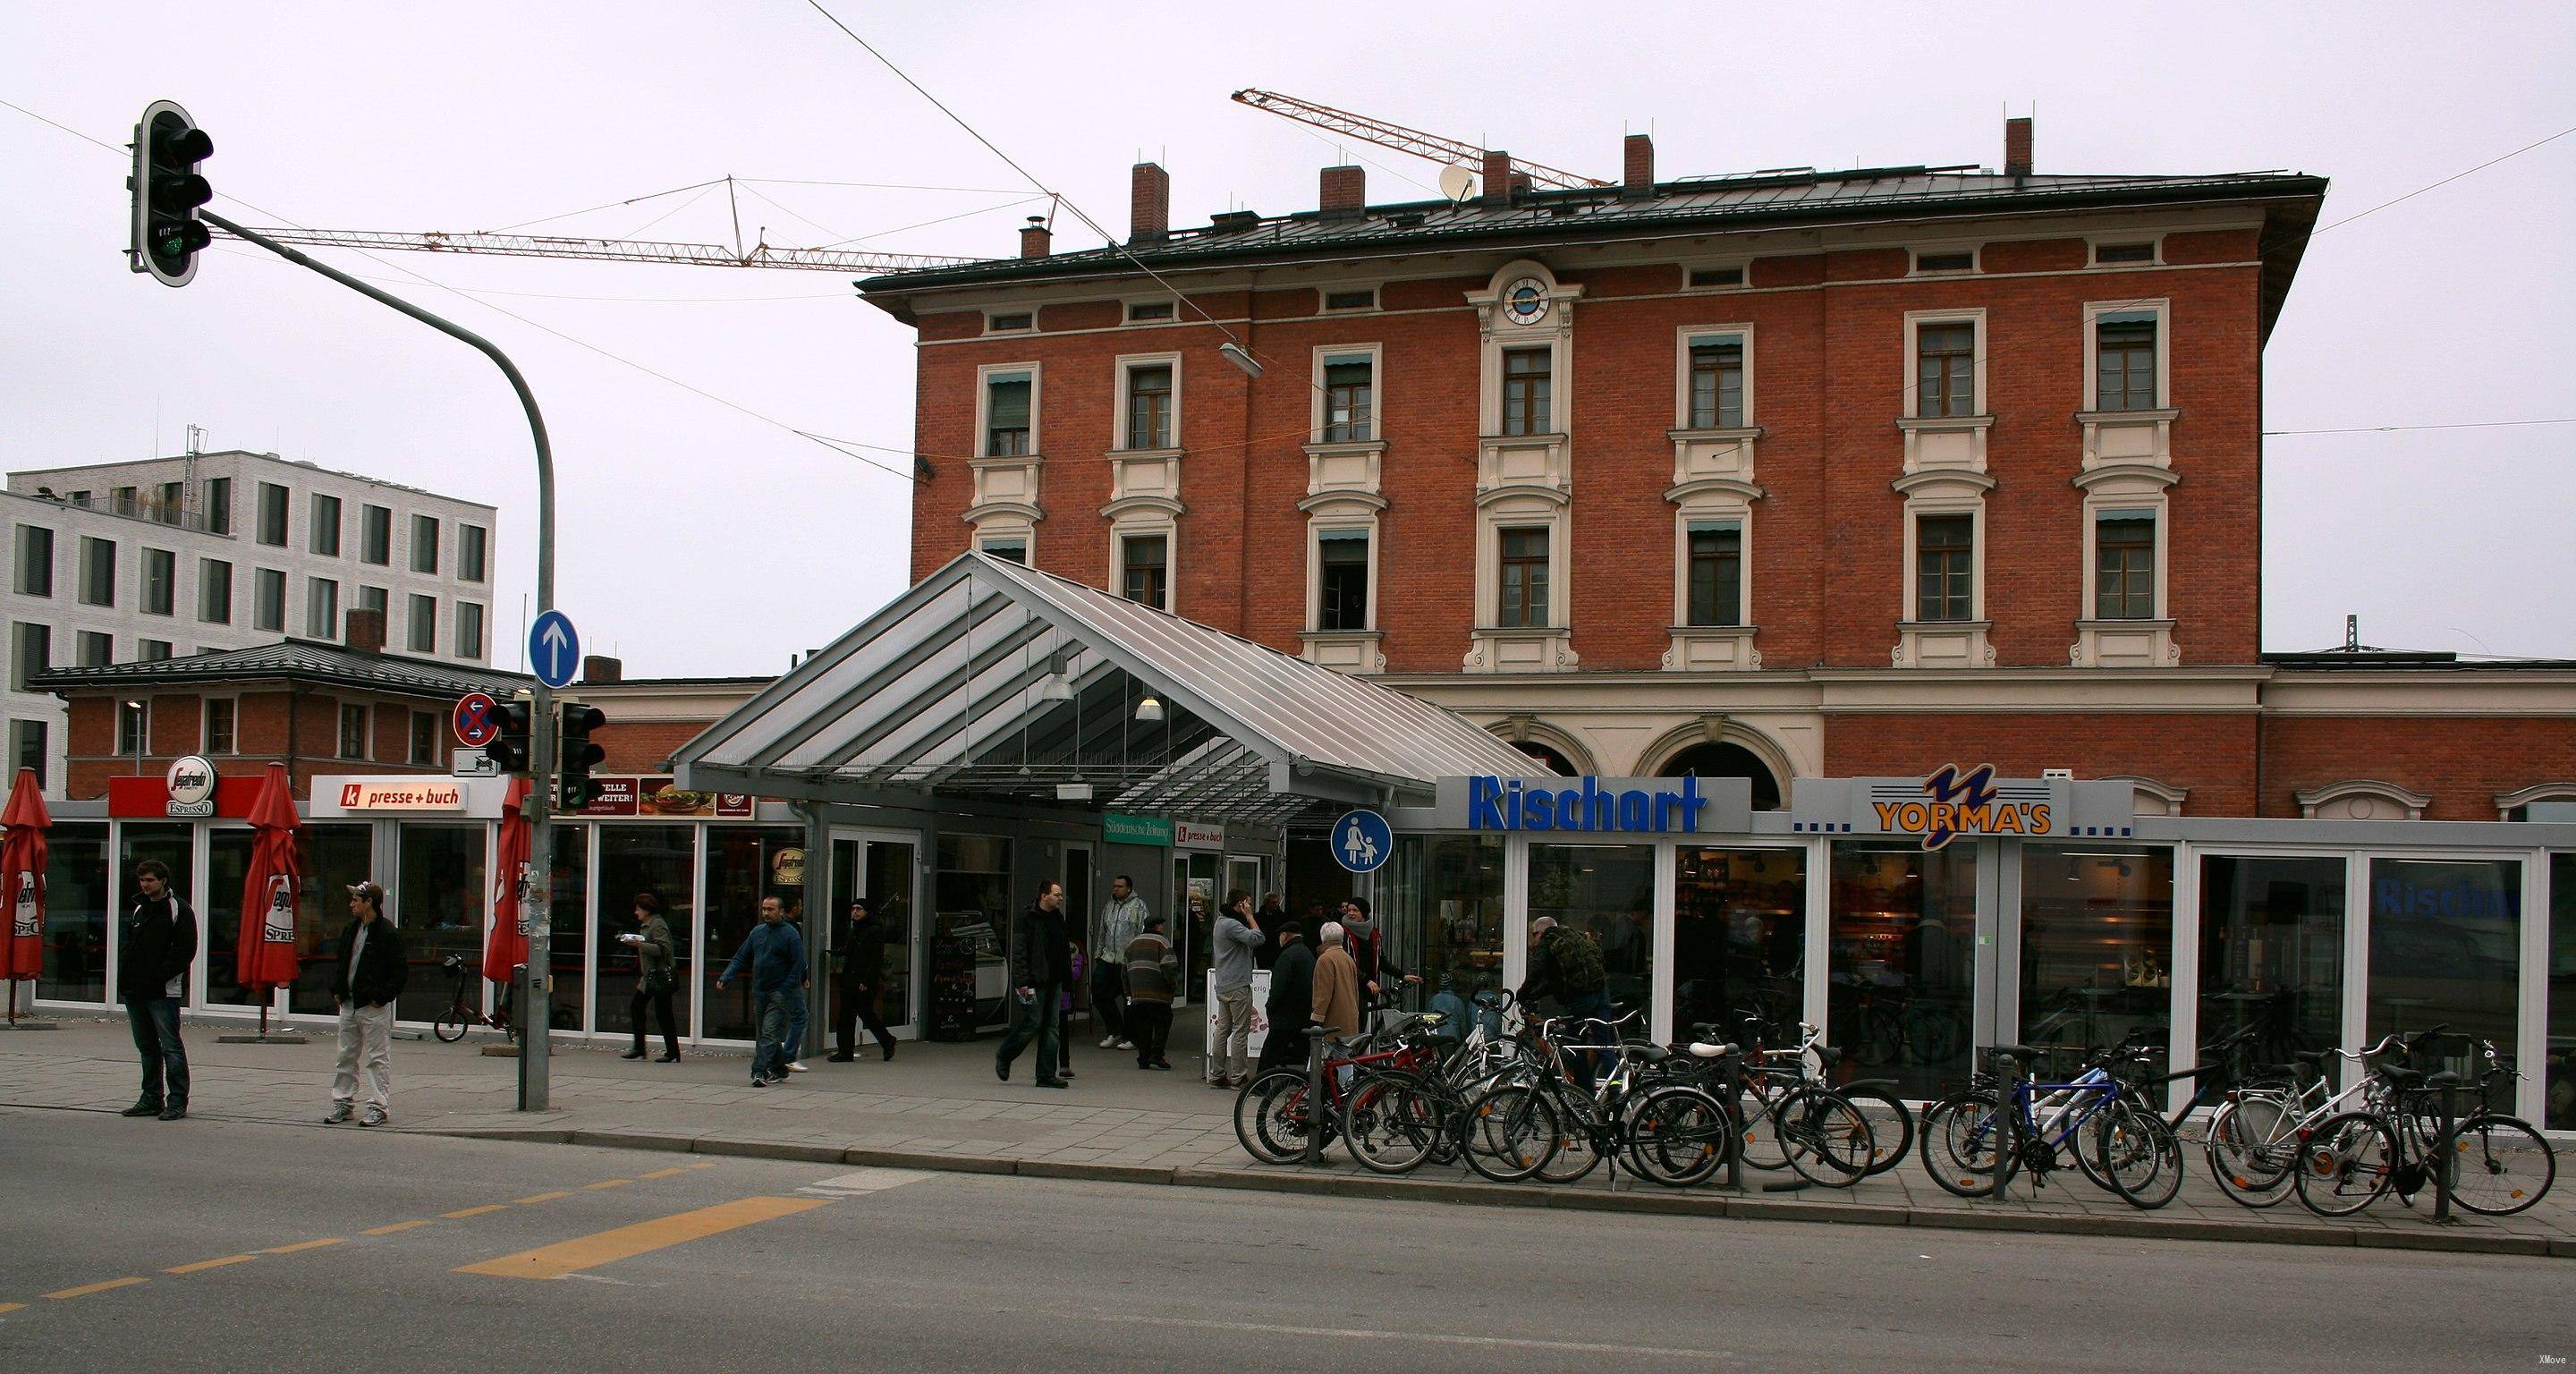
(619, 250)
(1448, 152)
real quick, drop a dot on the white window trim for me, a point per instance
(143, 707)
(1974, 316)
(1122, 368)
(2159, 307)
(1689, 266)
(205, 727)
(994, 532)
(1683, 338)
(1489, 579)
(984, 377)
(1376, 355)
(1742, 519)
(1972, 506)
(1976, 259)
(1030, 328)
(1127, 310)
(2093, 251)
(1324, 294)
(1554, 331)
(1317, 531)
(2097, 506)
(1147, 525)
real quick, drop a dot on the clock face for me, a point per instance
(1525, 301)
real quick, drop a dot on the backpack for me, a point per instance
(1579, 971)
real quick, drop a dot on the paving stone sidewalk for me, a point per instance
(939, 1106)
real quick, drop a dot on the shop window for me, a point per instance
(2446, 950)
(1446, 900)
(268, 606)
(1527, 382)
(76, 924)
(1149, 406)
(219, 913)
(1716, 383)
(1739, 940)
(1945, 577)
(570, 923)
(1900, 984)
(971, 894)
(272, 515)
(1144, 569)
(324, 534)
(1350, 385)
(2559, 1089)
(1522, 602)
(1608, 891)
(2271, 955)
(655, 859)
(742, 868)
(1342, 589)
(2124, 360)
(1945, 369)
(174, 846)
(1006, 415)
(98, 572)
(214, 591)
(30, 747)
(883, 870)
(439, 900)
(375, 535)
(1716, 573)
(2096, 949)
(35, 561)
(334, 856)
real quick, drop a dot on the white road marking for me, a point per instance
(1419, 1337)
(869, 1180)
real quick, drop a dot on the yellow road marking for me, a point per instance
(644, 1237)
(11, 1306)
(88, 1288)
(606, 1183)
(704, 1164)
(209, 1264)
(662, 1173)
(397, 1226)
(540, 1197)
(301, 1246)
(476, 1211)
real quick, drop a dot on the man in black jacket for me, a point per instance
(1292, 1001)
(154, 948)
(862, 970)
(372, 973)
(1041, 969)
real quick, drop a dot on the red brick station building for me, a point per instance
(1826, 489)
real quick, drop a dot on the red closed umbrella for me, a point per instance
(22, 860)
(264, 954)
(508, 945)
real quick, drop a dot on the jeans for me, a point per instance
(1037, 1020)
(155, 1021)
(1149, 1024)
(1109, 998)
(660, 1002)
(366, 1042)
(795, 1045)
(1596, 1006)
(1230, 1035)
(771, 1055)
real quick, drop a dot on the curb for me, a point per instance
(1681, 1203)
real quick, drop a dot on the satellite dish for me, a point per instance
(1456, 182)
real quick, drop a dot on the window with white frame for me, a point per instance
(1341, 579)
(1010, 550)
(1521, 592)
(1144, 569)
(1350, 398)
(1716, 383)
(2127, 353)
(1945, 368)
(1149, 404)
(1009, 414)
(2124, 565)
(1528, 381)
(1147, 312)
(1932, 262)
(2126, 252)
(1945, 568)
(134, 728)
(1354, 298)
(1714, 563)
(1010, 321)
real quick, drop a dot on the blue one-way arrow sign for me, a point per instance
(554, 649)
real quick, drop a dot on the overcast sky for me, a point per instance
(697, 538)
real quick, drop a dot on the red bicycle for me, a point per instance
(1271, 1115)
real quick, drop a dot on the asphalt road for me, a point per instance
(208, 1245)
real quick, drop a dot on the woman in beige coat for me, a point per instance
(1337, 986)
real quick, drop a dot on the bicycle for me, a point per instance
(462, 1014)
(1974, 1141)
(2255, 1136)
(2490, 1163)
(1670, 1134)
(1272, 1114)
(1774, 1064)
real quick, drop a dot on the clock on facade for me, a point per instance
(1525, 301)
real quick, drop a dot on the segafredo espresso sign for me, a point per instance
(1962, 803)
(192, 788)
(1640, 806)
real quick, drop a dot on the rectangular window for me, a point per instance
(1945, 369)
(2124, 361)
(2107, 254)
(370, 599)
(1717, 574)
(1006, 415)
(1008, 550)
(32, 652)
(325, 533)
(1342, 600)
(353, 730)
(1139, 312)
(214, 591)
(1527, 408)
(469, 630)
(28, 747)
(219, 505)
(2124, 566)
(268, 601)
(1523, 599)
(1704, 278)
(128, 501)
(424, 739)
(134, 728)
(96, 648)
(171, 504)
(1144, 559)
(424, 543)
(98, 572)
(35, 561)
(1350, 399)
(321, 608)
(218, 737)
(2446, 950)
(1362, 298)
(1955, 260)
(151, 650)
(1945, 548)
(473, 550)
(272, 515)
(375, 535)
(1717, 383)
(1010, 322)
(424, 624)
(1149, 406)
(160, 582)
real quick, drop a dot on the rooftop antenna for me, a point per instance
(196, 440)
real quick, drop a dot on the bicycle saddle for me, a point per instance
(2024, 1053)
(1701, 1049)
(1650, 1054)
(1828, 1055)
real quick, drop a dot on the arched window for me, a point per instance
(1723, 760)
(1556, 762)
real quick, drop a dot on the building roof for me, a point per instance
(118, 465)
(295, 660)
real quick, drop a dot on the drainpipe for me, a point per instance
(1243, 537)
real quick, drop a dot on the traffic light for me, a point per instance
(576, 754)
(167, 234)
(509, 750)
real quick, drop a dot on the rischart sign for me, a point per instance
(1643, 805)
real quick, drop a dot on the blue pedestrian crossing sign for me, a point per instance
(554, 649)
(1362, 841)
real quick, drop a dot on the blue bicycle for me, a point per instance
(1975, 1141)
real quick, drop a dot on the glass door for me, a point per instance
(878, 869)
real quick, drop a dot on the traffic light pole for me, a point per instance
(534, 1004)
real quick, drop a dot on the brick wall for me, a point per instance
(2461, 762)
(2211, 755)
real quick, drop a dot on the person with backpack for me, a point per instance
(1565, 965)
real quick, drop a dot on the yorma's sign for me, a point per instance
(1963, 803)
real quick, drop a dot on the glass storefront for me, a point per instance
(638, 859)
(2096, 949)
(971, 921)
(568, 924)
(2271, 954)
(1194, 902)
(2559, 1082)
(1902, 938)
(1445, 900)
(76, 916)
(333, 857)
(1607, 890)
(439, 900)
(174, 844)
(741, 869)
(1739, 938)
(2446, 950)
(227, 863)
(881, 872)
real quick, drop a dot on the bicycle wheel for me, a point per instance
(1510, 1133)
(450, 1025)
(1758, 1129)
(2346, 1163)
(1959, 1145)
(1395, 1121)
(2498, 1165)
(1678, 1137)
(1270, 1117)
(1830, 1143)
(1891, 1126)
(2139, 1155)
(2252, 1150)
(1578, 1150)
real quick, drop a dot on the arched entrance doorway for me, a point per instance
(1722, 760)
(1556, 763)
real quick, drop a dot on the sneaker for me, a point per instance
(1126, 1044)
(376, 1116)
(775, 1078)
(143, 1106)
(758, 1081)
(339, 1113)
(1110, 1042)
(798, 1067)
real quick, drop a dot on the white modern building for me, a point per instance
(126, 562)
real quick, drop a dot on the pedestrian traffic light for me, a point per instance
(167, 234)
(577, 754)
(510, 750)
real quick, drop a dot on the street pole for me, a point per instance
(535, 904)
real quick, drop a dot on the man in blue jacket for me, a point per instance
(775, 954)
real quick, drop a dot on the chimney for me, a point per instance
(1498, 178)
(602, 668)
(365, 630)
(1035, 238)
(1638, 180)
(1345, 194)
(2017, 147)
(1149, 207)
